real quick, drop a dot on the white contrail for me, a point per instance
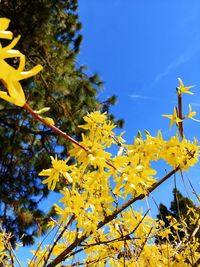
(136, 96)
(178, 61)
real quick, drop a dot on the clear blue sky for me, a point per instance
(140, 48)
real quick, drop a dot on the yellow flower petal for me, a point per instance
(42, 110)
(4, 23)
(191, 113)
(15, 93)
(30, 73)
(49, 120)
(174, 118)
(6, 35)
(184, 89)
(10, 76)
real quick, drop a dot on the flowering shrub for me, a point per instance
(96, 216)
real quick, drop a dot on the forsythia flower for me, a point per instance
(184, 89)
(96, 155)
(9, 76)
(174, 118)
(191, 113)
(4, 23)
(184, 154)
(59, 168)
(94, 118)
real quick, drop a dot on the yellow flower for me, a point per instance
(4, 23)
(174, 118)
(49, 120)
(59, 168)
(191, 113)
(9, 76)
(184, 89)
(92, 118)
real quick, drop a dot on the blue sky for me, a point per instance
(140, 48)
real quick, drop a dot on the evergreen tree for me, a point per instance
(50, 30)
(182, 209)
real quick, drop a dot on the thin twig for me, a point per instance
(144, 243)
(58, 238)
(39, 246)
(109, 218)
(54, 128)
(14, 254)
(194, 191)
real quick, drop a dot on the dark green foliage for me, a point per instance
(50, 36)
(180, 210)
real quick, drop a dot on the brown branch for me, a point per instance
(121, 238)
(58, 131)
(197, 263)
(109, 218)
(139, 197)
(180, 115)
(54, 128)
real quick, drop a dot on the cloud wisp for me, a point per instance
(189, 53)
(136, 96)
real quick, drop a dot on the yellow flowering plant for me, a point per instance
(10, 76)
(96, 216)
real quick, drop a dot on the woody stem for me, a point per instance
(54, 128)
(180, 115)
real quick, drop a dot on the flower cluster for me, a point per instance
(99, 181)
